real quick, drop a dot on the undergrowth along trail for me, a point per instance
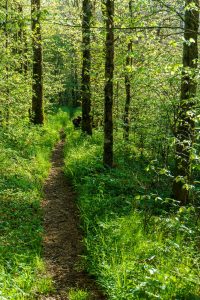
(140, 243)
(25, 152)
(139, 246)
(63, 245)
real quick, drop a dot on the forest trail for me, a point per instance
(63, 239)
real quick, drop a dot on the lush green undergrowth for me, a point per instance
(140, 243)
(24, 158)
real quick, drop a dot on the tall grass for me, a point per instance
(25, 161)
(140, 244)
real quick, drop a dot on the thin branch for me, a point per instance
(120, 28)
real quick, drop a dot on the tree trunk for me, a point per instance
(86, 94)
(7, 108)
(186, 125)
(128, 82)
(37, 114)
(128, 94)
(22, 41)
(109, 71)
(75, 87)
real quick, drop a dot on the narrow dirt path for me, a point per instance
(62, 240)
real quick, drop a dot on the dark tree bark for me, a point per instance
(186, 125)
(85, 86)
(37, 114)
(109, 72)
(128, 94)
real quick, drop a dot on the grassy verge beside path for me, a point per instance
(24, 158)
(140, 244)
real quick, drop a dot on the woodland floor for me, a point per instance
(63, 245)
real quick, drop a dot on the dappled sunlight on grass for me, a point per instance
(25, 153)
(77, 294)
(140, 244)
(141, 264)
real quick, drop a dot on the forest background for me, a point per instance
(142, 235)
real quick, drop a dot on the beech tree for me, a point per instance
(86, 94)
(37, 114)
(128, 84)
(109, 72)
(186, 118)
(128, 94)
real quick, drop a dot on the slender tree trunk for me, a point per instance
(116, 104)
(186, 125)
(86, 93)
(75, 88)
(25, 64)
(128, 94)
(109, 72)
(37, 114)
(22, 43)
(7, 110)
(75, 102)
(128, 82)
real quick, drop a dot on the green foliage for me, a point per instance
(139, 245)
(75, 294)
(24, 152)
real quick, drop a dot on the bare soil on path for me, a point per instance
(62, 241)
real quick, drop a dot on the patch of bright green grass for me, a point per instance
(136, 251)
(76, 294)
(24, 157)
